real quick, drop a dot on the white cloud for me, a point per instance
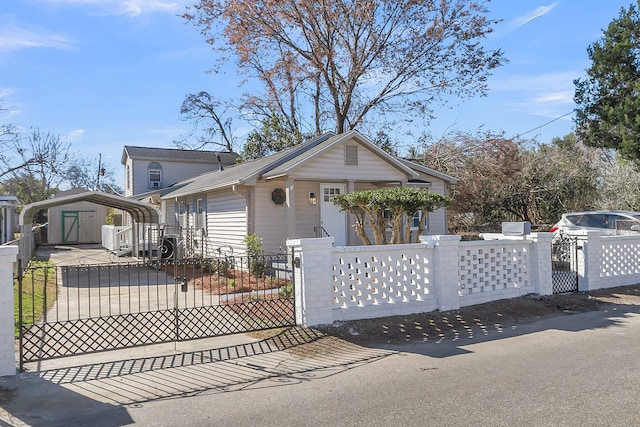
(13, 38)
(546, 82)
(138, 7)
(74, 135)
(563, 97)
(6, 91)
(530, 16)
(129, 7)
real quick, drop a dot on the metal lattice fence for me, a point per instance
(87, 308)
(564, 263)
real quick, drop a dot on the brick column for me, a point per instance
(446, 269)
(541, 272)
(8, 256)
(312, 275)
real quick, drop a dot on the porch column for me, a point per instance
(8, 255)
(351, 185)
(291, 209)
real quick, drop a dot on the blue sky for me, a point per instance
(109, 73)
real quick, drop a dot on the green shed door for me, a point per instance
(70, 226)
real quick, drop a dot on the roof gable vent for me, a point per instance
(351, 155)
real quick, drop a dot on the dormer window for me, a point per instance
(155, 175)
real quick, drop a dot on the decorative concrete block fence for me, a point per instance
(608, 261)
(439, 273)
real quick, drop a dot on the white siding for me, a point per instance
(169, 212)
(128, 190)
(226, 221)
(330, 166)
(172, 172)
(307, 216)
(270, 220)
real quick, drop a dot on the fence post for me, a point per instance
(541, 262)
(312, 268)
(446, 269)
(589, 268)
(8, 256)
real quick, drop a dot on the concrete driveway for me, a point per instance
(573, 370)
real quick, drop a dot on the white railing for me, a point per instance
(116, 237)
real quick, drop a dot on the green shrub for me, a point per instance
(257, 264)
(285, 291)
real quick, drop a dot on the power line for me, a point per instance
(543, 125)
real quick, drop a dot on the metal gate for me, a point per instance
(82, 309)
(564, 263)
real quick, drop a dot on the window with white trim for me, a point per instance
(155, 175)
(415, 221)
(200, 214)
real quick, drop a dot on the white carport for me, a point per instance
(141, 213)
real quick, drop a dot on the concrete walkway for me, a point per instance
(80, 254)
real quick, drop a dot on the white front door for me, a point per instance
(332, 220)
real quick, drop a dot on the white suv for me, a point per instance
(609, 222)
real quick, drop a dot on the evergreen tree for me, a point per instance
(608, 111)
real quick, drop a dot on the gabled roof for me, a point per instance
(197, 156)
(279, 164)
(424, 169)
(290, 164)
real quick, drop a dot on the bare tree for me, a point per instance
(36, 165)
(209, 115)
(350, 59)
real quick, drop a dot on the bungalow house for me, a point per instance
(289, 194)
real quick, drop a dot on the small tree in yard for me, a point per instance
(394, 207)
(257, 265)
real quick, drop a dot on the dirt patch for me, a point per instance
(216, 280)
(478, 319)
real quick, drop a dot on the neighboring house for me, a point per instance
(8, 218)
(150, 169)
(289, 194)
(77, 222)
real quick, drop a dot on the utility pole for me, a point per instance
(100, 171)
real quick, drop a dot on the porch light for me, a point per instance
(312, 198)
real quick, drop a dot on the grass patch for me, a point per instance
(38, 293)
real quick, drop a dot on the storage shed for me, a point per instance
(76, 223)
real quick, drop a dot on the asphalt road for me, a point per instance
(573, 370)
